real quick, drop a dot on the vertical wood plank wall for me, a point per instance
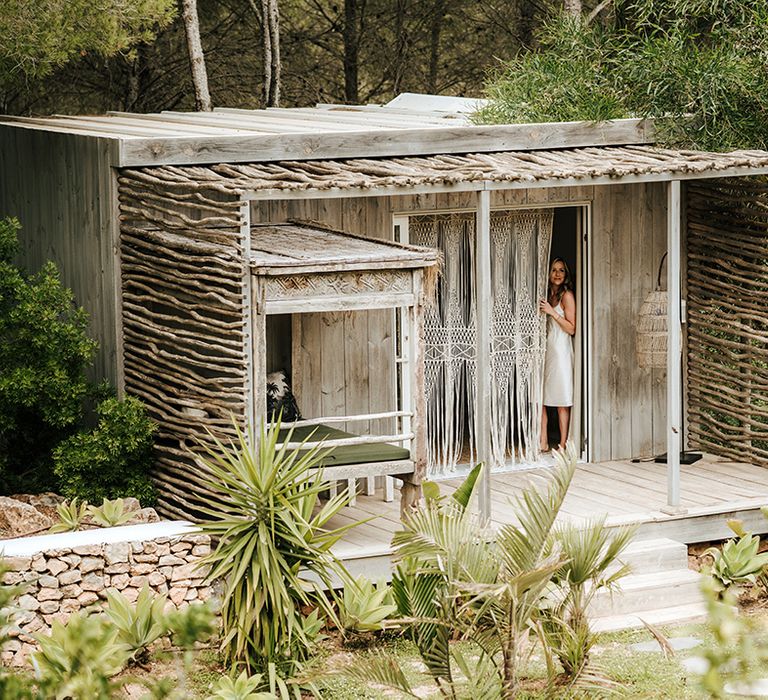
(628, 240)
(60, 188)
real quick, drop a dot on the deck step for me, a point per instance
(640, 592)
(676, 614)
(661, 589)
(660, 554)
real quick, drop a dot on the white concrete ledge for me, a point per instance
(26, 546)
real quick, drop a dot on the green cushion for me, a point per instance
(346, 454)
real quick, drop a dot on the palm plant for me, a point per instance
(505, 610)
(273, 551)
(455, 579)
(591, 564)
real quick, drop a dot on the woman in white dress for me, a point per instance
(560, 308)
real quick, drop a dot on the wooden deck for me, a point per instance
(712, 490)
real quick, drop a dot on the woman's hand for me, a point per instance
(545, 307)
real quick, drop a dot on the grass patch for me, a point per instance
(638, 674)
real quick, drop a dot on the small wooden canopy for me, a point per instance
(303, 267)
(300, 267)
(303, 247)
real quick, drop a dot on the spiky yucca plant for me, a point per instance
(273, 550)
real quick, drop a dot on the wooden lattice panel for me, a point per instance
(728, 318)
(338, 284)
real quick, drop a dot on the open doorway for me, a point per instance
(567, 239)
(522, 241)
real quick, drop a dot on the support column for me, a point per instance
(483, 348)
(674, 348)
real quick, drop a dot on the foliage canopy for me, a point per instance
(698, 67)
(38, 36)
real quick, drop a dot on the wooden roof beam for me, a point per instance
(386, 142)
(262, 122)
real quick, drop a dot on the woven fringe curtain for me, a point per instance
(520, 242)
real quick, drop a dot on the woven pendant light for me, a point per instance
(651, 330)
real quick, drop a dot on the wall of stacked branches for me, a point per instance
(185, 316)
(728, 317)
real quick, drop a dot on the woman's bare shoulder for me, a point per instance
(568, 296)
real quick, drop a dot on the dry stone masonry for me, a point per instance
(59, 582)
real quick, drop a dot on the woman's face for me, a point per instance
(557, 273)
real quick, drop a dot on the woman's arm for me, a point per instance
(568, 322)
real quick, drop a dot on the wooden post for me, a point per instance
(410, 492)
(254, 335)
(674, 344)
(483, 348)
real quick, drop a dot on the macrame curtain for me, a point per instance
(520, 242)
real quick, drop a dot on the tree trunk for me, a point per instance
(400, 46)
(266, 55)
(351, 46)
(434, 46)
(132, 93)
(271, 55)
(573, 7)
(196, 57)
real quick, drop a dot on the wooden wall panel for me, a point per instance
(628, 240)
(60, 187)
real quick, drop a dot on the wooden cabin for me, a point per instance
(214, 250)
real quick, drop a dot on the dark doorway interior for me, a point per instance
(565, 240)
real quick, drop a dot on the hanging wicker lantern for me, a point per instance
(651, 331)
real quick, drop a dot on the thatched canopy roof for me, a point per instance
(521, 168)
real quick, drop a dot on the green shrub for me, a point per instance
(241, 688)
(12, 685)
(79, 658)
(365, 605)
(110, 513)
(112, 460)
(139, 625)
(44, 351)
(697, 67)
(739, 561)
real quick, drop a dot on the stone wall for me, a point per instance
(59, 582)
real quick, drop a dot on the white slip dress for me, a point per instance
(558, 364)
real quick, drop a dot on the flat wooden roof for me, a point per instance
(305, 247)
(405, 127)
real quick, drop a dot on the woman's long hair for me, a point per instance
(567, 285)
